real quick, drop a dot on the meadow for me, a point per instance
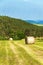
(18, 53)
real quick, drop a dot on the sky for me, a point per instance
(22, 9)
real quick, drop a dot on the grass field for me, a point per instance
(18, 53)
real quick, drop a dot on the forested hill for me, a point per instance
(15, 28)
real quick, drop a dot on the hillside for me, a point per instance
(15, 28)
(39, 24)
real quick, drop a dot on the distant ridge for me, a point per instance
(35, 21)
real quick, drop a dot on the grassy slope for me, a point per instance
(17, 53)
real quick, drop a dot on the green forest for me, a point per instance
(18, 29)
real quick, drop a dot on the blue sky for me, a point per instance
(22, 9)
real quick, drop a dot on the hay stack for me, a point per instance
(10, 38)
(30, 40)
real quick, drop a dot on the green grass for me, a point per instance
(17, 55)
